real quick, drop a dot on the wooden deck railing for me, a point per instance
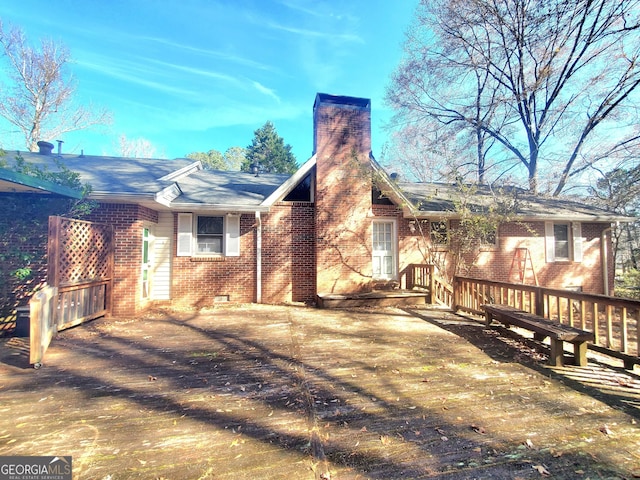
(56, 308)
(42, 323)
(614, 321)
(424, 276)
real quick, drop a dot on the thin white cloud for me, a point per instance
(347, 37)
(239, 60)
(132, 72)
(195, 71)
(266, 91)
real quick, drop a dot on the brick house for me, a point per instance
(193, 237)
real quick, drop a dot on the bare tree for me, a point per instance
(39, 99)
(135, 147)
(553, 83)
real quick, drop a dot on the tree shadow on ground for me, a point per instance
(615, 386)
(207, 369)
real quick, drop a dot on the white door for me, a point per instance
(384, 254)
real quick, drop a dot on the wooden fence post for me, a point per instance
(456, 293)
(539, 309)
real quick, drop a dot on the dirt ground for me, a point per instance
(288, 392)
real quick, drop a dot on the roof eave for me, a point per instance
(413, 213)
(38, 185)
(216, 207)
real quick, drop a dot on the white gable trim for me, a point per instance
(168, 194)
(291, 182)
(183, 172)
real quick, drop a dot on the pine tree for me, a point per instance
(269, 153)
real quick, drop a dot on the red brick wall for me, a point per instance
(495, 263)
(343, 197)
(288, 253)
(196, 282)
(127, 221)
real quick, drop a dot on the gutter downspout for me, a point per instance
(604, 254)
(258, 258)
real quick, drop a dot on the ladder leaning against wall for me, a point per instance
(521, 265)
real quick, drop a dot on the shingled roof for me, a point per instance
(439, 199)
(182, 184)
(165, 184)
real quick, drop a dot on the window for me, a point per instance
(439, 233)
(489, 238)
(208, 235)
(563, 241)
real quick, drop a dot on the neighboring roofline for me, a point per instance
(38, 185)
(290, 183)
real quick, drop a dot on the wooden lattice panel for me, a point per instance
(80, 251)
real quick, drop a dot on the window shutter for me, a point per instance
(185, 237)
(577, 241)
(550, 241)
(232, 236)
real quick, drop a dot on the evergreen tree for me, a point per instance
(269, 153)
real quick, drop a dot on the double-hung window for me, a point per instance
(208, 235)
(563, 241)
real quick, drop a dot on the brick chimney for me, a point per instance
(342, 145)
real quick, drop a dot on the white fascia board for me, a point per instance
(405, 203)
(184, 171)
(212, 207)
(577, 218)
(290, 183)
(121, 197)
(527, 218)
(168, 194)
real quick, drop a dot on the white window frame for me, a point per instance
(187, 238)
(394, 251)
(574, 238)
(210, 239)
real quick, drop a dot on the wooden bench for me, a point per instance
(542, 328)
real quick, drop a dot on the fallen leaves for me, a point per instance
(443, 436)
(478, 429)
(541, 469)
(605, 430)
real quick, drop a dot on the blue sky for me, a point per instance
(201, 74)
